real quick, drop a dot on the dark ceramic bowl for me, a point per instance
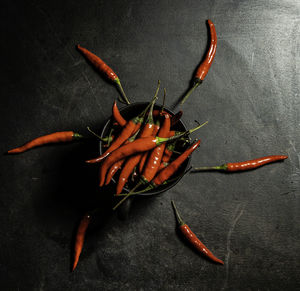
(131, 111)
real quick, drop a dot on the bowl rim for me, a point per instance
(159, 190)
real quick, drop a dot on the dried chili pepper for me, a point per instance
(164, 174)
(117, 115)
(205, 65)
(246, 165)
(79, 240)
(102, 67)
(192, 238)
(61, 136)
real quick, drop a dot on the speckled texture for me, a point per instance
(250, 97)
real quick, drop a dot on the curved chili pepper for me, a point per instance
(145, 155)
(205, 65)
(79, 240)
(113, 170)
(134, 160)
(155, 156)
(243, 166)
(192, 238)
(164, 174)
(61, 136)
(102, 67)
(117, 115)
(176, 117)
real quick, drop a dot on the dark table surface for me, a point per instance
(250, 98)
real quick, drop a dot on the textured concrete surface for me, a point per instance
(250, 97)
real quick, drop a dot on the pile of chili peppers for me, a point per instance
(145, 150)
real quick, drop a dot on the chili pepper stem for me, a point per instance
(129, 194)
(95, 134)
(77, 135)
(190, 91)
(161, 140)
(216, 168)
(178, 217)
(118, 82)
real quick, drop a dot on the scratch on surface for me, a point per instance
(252, 59)
(237, 214)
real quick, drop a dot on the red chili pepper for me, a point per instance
(83, 225)
(175, 118)
(145, 155)
(155, 156)
(113, 170)
(164, 174)
(242, 166)
(117, 115)
(192, 238)
(205, 65)
(102, 67)
(168, 171)
(62, 136)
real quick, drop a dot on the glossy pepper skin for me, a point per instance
(204, 67)
(153, 162)
(192, 238)
(117, 115)
(206, 64)
(61, 136)
(244, 166)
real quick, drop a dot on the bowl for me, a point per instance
(131, 111)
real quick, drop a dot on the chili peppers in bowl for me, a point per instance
(129, 112)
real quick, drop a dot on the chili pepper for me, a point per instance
(113, 169)
(117, 115)
(130, 128)
(61, 136)
(134, 160)
(165, 173)
(80, 235)
(205, 65)
(153, 162)
(145, 155)
(192, 238)
(242, 166)
(102, 67)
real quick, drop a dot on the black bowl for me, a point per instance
(131, 111)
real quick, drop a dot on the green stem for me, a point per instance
(118, 82)
(77, 136)
(178, 217)
(95, 134)
(129, 194)
(161, 140)
(216, 168)
(190, 92)
(142, 115)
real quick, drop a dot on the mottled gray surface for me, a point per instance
(250, 97)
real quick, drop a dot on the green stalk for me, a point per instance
(178, 217)
(216, 168)
(190, 92)
(118, 82)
